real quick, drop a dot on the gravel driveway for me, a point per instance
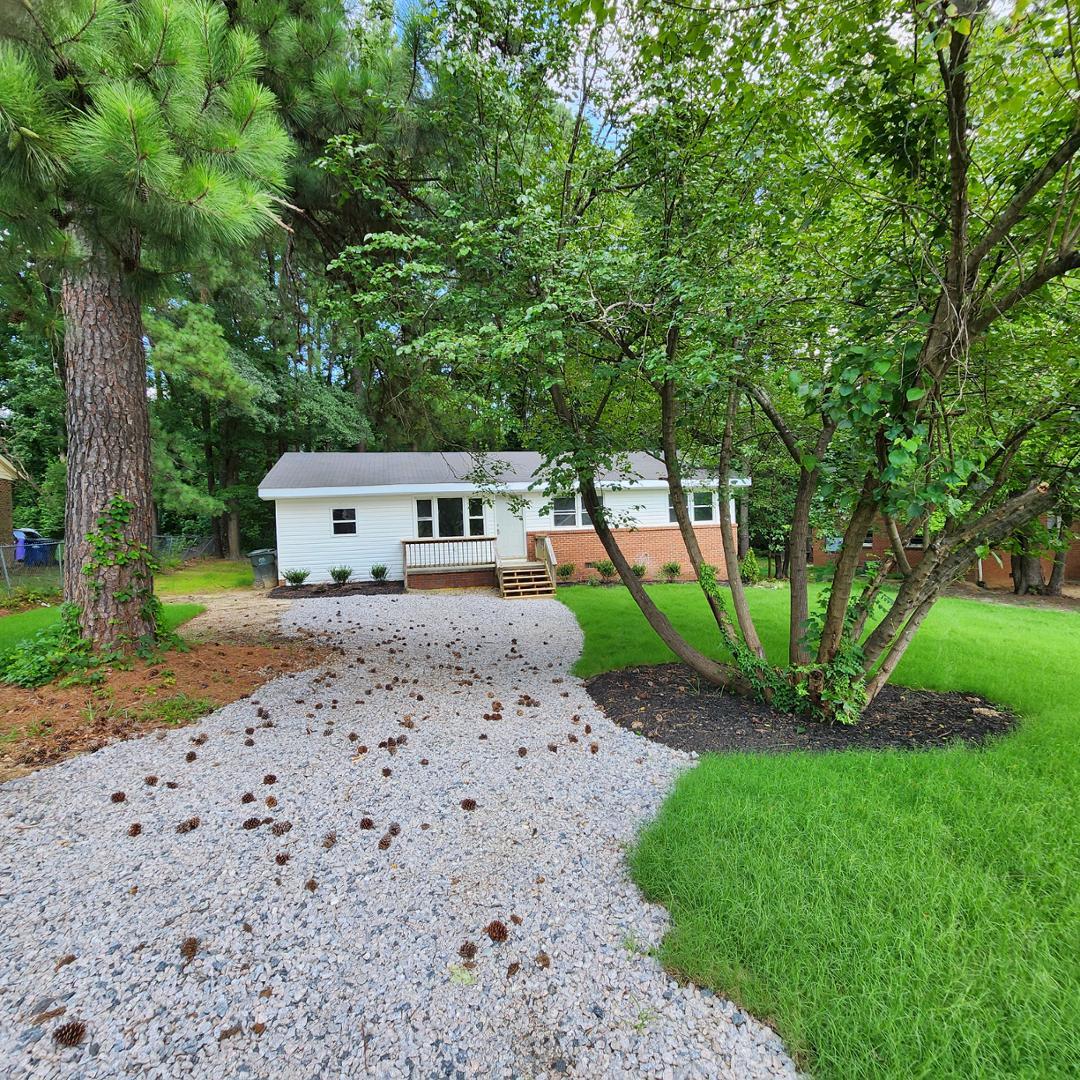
(321, 889)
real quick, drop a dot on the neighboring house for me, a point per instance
(8, 476)
(994, 572)
(423, 517)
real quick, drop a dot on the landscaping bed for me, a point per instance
(669, 703)
(328, 588)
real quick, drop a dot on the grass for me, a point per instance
(204, 575)
(894, 914)
(15, 628)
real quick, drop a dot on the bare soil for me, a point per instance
(1069, 600)
(236, 646)
(668, 703)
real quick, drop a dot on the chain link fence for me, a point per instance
(35, 564)
(31, 564)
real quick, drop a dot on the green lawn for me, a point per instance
(893, 914)
(205, 575)
(14, 628)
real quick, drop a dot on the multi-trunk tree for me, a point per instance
(900, 409)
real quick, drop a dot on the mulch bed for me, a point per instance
(670, 704)
(350, 588)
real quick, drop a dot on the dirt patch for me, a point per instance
(236, 616)
(350, 588)
(670, 704)
(1069, 600)
(46, 725)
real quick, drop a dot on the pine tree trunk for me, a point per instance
(108, 448)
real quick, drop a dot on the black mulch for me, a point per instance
(670, 704)
(350, 588)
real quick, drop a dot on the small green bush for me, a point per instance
(594, 581)
(605, 568)
(341, 574)
(378, 572)
(639, 569)
(751, 569)
(565, 570)
(672, 571)
(296, 577)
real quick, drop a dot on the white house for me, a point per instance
(427, 519)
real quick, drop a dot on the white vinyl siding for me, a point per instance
(306, 538)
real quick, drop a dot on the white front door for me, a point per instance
(510, 529)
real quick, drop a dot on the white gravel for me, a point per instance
(362, 976)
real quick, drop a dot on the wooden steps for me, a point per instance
(519, 581)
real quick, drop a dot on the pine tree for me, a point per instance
(134, 136)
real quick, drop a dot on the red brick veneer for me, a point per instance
(453, 579)
(652, 545)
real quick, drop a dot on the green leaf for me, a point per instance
(916, 393)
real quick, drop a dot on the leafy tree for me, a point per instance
(135, 133)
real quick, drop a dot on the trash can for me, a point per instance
(264, 563)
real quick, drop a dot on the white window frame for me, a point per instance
(335, 521)
(581, 515)
(691, 507)
(467, 516)
(868, 539)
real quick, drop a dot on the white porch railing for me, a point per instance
(429, 556)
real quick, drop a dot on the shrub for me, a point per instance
(605, 568)
(639, 569)
(751, 569)
(341, 574)
(54, 651)
(378, 572)
(296, 577)
(672, 571)
(565, 570)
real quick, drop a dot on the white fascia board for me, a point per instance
(270, 494)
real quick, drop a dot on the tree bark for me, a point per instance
(1027, 575)
(108, 451)
(230, 477)
(678, 501)
(727, 536)
(1057, 573)
(847, 564)
(744, 524)
(897, 650)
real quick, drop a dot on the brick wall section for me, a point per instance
(453, 579)
(997, 576)
(652, 545)
(6, 524)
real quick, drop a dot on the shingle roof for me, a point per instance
(298, 470)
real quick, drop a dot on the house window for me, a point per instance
(568, 511)
(425, 527)
(446, 518)
(565, 512)
(868, 539)
(917, 540)
(699, 503)
(476, 517)
(703, 506)
(343, 522)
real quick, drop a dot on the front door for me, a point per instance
(510, 529)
